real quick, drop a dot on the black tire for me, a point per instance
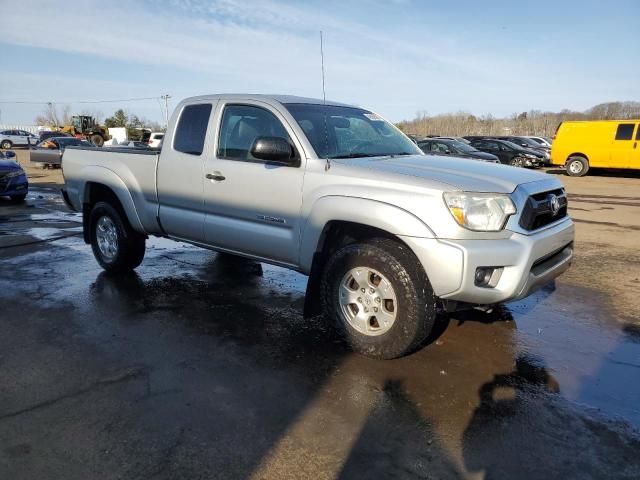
(130, 245)
(577, 166)
(517, 162)
(6, 144)
(97, 140)
(18, 198)
(416, 302)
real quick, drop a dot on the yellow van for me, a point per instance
(591, 144)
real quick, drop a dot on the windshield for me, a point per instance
(71, 142)
(463, 147)
(347, 132)
(529, 142)
(513, 146)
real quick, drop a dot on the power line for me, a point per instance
(80, 101)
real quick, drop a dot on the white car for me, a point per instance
(544, 141)
(11, 138)
(155, 139)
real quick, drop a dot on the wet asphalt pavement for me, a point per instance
(201, 366)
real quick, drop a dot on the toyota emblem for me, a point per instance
(554, 203)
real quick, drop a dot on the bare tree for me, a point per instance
(52, 117)
(533, 122)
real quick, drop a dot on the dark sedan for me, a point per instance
(529, 144)
(13, 180)
(443, 146)
(48, 153)
(510, 153)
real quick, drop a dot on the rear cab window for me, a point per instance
(192, 129)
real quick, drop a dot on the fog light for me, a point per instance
(487, 276)
(483, 276)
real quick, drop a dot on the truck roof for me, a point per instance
(284, 99)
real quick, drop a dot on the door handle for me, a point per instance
(635, 144)
(216, 177)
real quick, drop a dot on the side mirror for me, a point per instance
(274, 149)
(9, 154)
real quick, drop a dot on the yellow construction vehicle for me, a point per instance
(85, 126)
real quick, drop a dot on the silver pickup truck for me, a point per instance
(387, 235)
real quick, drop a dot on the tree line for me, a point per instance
(533, 122)
(55, 116)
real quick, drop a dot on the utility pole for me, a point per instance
(166, 98)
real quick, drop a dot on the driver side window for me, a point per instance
(241, 125)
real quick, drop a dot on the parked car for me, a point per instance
(387, 235)
(471, 138)
(17, 138)
(528, 143)
(443, 146)
(510, 153)
(13, 180)
(458, 139)
(581, 145)
(131, 144)
(544, 141)
(155, 139)
(48, 153)
(525, 142)
(51, 133)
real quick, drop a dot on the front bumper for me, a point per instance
(533, 162)
(529, 262)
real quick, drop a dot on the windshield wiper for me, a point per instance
(399, 154)
(358, 155)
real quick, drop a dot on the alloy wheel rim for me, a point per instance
(367, 301)
(107, 238)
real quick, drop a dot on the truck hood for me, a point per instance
(459, 173)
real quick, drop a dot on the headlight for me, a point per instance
(487, 212)
(529, 155)
(15, 173)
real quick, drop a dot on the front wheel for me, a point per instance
(116, 246)
(18, 198)
(97, 140)
(517, 162)
(577, 166)
(6, 144)
(380, 297)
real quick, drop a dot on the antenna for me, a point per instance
(327, 165)
(324, 95)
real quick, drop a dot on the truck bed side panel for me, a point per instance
(131, 175)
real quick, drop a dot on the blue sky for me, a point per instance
(396, 57)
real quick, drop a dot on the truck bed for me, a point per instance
(133, 171)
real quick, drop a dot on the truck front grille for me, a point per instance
(543, 208)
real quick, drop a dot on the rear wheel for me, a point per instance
(116, 246)
(6, 144)
(577, 166)
(380, 297)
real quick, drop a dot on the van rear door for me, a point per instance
(622, 145)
